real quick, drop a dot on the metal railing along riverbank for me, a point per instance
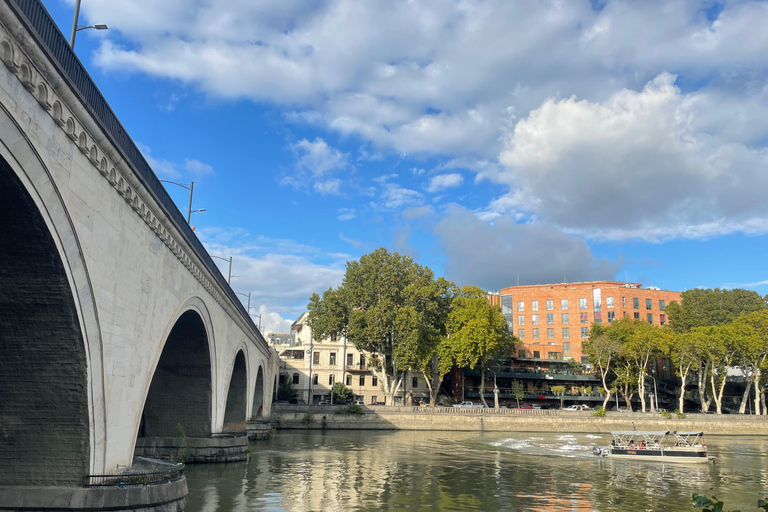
(155, 472)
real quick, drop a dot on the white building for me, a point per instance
(315, 365)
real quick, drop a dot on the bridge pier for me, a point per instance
(194, 449)
(163, 497)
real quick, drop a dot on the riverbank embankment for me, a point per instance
(506, 420)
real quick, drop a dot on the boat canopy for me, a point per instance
(686, 434)
(643, 433)
(688, 438)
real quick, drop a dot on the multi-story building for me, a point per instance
(552, 320)
(313, 366)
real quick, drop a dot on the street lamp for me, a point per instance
(229, 275)
(259, 315)
(76, 29)
(191, 188)
(249, 301)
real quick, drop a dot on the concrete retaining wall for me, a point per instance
(193, 449)
(509, 420)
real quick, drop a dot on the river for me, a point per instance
(463, 471)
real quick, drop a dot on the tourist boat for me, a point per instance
(688, 447)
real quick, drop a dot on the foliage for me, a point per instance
(666, 414)
(518, 391)
(576, 367)
(559, 390)
(707, 504)
(680, 415)
(702, 307)
(286, 391)
(476, 333)
(599, 412)
(181, 436)
(341, 393)
(354, 409)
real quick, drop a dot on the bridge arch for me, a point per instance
(52, 406)
(183, 378)
(237, 393)
(257, 409)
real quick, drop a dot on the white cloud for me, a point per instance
(318, 157)
(444, 181)
(331, 187)
(394, 196)
(163, 168)
(346, 213)
(198, 168)
(632, 166)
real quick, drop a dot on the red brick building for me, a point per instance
(552, 320)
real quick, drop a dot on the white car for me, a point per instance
(578, 408)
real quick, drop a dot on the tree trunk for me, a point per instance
(762, 399)
(641, 390)
(718, 393)
(702, 382)
(607, 392)
(745, 396)
(434, 385)
(681, 402)
(482, 386)
(756, 378)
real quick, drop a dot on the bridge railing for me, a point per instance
(38, 21)
(132, 479)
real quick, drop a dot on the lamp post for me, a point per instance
(191, 188)
(249, 300)
(76, 29)
(229, 274)
(259, 316)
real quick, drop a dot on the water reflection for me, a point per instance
(445, 471)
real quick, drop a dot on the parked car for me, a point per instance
(280, 402)
(620, 409)
(359, 402)
(467, 403)
(324, 402)
(578, 408)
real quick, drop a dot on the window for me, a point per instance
(648, 304)
(564, 318)
(609, 302)
(556, 356)
(506, 305)
(623, 302)
(585, 332)
(374, 381)
(373, 399)
(566, 333)
(550, 319)
(282, 378)
(567, 347)
(520, 305)
(596, 300)
(362, 361)
(636, 303)
(662, 305)
(583, 318)
(521, 354)
(551, 343)
(331, 379)
(332, 359)
(582, 303)
(564, 304)
(550, 305)
(534, 319)
(611, 316)
(521, 334)
(649, 317)
(362, 380)
(550, 333)
(314, 380)
(534, 305)
(599, 321)
(349, 380)
(316, 358)
(295, 378)
(663, 319)
(350, 359)
(415, 382)
(637, 315)
(520, 319)
(536, 354)
(333, 337)
(535, 334)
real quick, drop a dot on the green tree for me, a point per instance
(702, 307)
(518, 392)
(476, 334)
(643, 346)
(753, 356)
(385, 306)
(286, 391)
(340, 392)
(683, 352)
(602, 351)
(559, 391)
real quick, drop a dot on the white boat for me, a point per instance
(651, 445)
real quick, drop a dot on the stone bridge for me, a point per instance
(115, 323)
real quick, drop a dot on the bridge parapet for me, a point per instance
(50, 70)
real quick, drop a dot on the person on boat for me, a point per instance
(631, 444)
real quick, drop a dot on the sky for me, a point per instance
(495, 142)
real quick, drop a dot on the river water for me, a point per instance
(465, 471)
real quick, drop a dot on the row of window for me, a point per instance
(554, 356)
(566, 333)
(609, 303)
(360, 380)
(584, 319)
(332, 359)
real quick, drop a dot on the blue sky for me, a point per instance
(491, 140)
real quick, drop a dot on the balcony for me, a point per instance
(356, 368)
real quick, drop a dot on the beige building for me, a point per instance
(313, 366)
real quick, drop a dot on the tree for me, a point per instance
(702, 307)
(286, 391)
(559, 391)
(683, 351)
(643, 346)
(476, 333)
(385, 306)
(722, 345)
(602, 350)
(518, 391)
(753, 356)
(340, 392)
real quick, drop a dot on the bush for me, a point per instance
(666, 414)
(680, 415)
(599, 412)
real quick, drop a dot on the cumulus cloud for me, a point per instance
(346, 213)
(394, 196)
(318, 157)
(493, 256)
(162, 167)
(632, 166)
(444, 181)
(198, 168)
